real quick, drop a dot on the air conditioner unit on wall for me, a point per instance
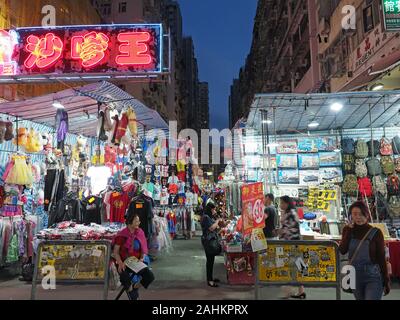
(349, 32)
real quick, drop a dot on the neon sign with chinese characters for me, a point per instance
(68, 50)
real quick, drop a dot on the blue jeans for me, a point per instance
(369, 283)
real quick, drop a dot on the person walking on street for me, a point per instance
(270, 217)
(290, 230)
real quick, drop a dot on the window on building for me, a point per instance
(368, 19)
(122, 7)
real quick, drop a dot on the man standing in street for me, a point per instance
(270, 216)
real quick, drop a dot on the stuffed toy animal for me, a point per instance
(22, 137)
(2, 131)
(47, 142)
(9, 135)
(132, 122)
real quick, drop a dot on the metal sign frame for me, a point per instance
(104, 281)
(336, 284)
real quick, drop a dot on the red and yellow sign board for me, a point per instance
(252, 207)
(98, 49)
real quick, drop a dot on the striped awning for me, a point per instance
(82, 105)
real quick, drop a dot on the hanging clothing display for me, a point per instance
(143, 207)
(16, 237)
(67, 209)
(91, 210)
(171, 218)
(61, 127)
(18, 172)
(54, 186)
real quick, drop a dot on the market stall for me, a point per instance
(79, 159)
(326, 151)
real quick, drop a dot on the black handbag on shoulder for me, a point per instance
(212, 244)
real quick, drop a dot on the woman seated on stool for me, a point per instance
(131, 243)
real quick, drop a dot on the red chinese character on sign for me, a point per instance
(134, 49)
(44, 51)
(358, 53)
(90, 48)
(367, 44)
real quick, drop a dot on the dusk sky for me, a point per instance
(222, 32)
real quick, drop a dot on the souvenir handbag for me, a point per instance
(379, 185)
(393, 185)
(365, 187)
(397, 164)
(396, 145)
(373, 148)
(350, 185)
(348, 145)
(361, 149)
(361, 168)
(394, 206)
(386, 147)
(348, 163)
(374, 167)
(355, 255)
(387, 164)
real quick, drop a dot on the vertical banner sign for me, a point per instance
(391, 14)
(252, 207)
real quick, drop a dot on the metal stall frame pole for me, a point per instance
(373, 157)
(263, 148)
(257, 284)
(276, 141)
(269, 159)
(16, 129)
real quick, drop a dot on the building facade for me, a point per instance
(357, 59)
(203, 110)
(166, 94)
(283, 55)
(191, 80)
(26, 13)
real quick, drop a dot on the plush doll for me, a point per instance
(9, 135)
(132, 122)
(40, 197)
(2, 131)
(22, 137)
(47, 142)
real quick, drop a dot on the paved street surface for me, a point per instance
(180, 275)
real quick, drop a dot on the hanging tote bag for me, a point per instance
(355, 255)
